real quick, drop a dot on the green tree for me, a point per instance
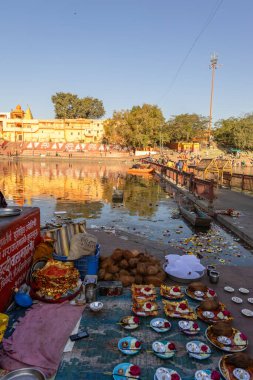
(69, 106)
(235, 132)
(185, 127)
(138, 127)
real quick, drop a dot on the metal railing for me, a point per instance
(201, 188)
(243, 182)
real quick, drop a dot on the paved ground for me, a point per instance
(241, 226)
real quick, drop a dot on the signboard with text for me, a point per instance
(18, 237)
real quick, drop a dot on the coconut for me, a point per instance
(222, 329)
(117, 254)
(123, 264)
(209, 305)
(239, 360)
(197, 286)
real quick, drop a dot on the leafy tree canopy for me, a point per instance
(69, 106)
(235, 132)
(185, 127)
(138, 127)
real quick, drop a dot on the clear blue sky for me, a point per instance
(126, 53)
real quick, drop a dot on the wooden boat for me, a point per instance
(194, 215)
(140, 170)
(117, 195)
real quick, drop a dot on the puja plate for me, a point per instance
(243, 290)
(247, 312)
(203, 374)
(162, 350)
(169, 292)
(127, 345)
(160, 325)
(232, 344)
(236, 299)
(230, 375)
(187, 327)
(122, 372)
(130, 322)
(195, 350)
(200, 296)
(25, 374)
(165, 374)
(9, 211)
(222, 314)
(229, 289)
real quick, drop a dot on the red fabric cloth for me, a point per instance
(40, 337)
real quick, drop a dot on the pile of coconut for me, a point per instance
(131, 267)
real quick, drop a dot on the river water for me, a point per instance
(86, 189)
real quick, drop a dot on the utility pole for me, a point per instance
(213, 66)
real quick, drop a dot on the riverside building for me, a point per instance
(19, 126)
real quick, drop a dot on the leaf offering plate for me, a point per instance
(218, 315)
(235, 343)
(164, 349)
(199, 295)
(189, 327)
(160, 325)
(171, 292)
(130, 322)
(230, 372)
(198, 350)
(126, 371)
(247, 312)
(243, 290)
(207, 374)
(166, 374)
(145, 292)
(129, 345)
(229, 289)
(236, 299)
(145, 308)
(179, 310)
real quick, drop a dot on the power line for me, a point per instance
(207, 23)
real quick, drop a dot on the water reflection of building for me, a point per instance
(19, 125)
(26, 180)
